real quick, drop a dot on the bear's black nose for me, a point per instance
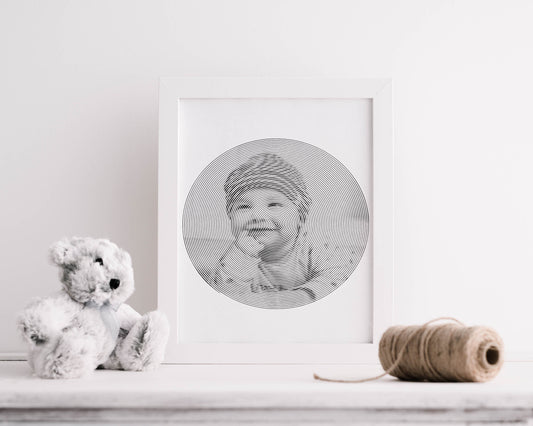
(114, 283)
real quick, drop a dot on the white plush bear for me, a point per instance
(87, 324)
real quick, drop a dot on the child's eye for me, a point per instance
(99, 260)
(243, 206)
(275, 205)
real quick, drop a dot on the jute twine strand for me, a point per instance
(444, 352)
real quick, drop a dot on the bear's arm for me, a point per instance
(127, 316)
(44, 318)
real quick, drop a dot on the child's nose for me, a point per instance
(259, 212)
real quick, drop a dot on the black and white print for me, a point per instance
(275, 223)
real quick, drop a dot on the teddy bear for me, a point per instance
(87, 325)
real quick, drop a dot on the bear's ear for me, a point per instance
(62, 252)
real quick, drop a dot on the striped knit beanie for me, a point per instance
(270, 171)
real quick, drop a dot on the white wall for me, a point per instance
(78, 135)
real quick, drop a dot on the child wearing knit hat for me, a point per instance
(272, 262)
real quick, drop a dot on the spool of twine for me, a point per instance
(449, 352)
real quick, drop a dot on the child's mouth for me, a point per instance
(259, 230)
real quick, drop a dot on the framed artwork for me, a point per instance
(275, 220)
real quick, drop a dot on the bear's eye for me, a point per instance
(99, 260)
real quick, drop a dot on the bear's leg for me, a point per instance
(73, 356)
(144, 346)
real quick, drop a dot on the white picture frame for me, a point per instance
(174, 91)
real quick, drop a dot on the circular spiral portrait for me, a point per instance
(275, 223)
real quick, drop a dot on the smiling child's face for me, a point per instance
(268, 216)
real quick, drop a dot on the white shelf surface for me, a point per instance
(283, 394)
